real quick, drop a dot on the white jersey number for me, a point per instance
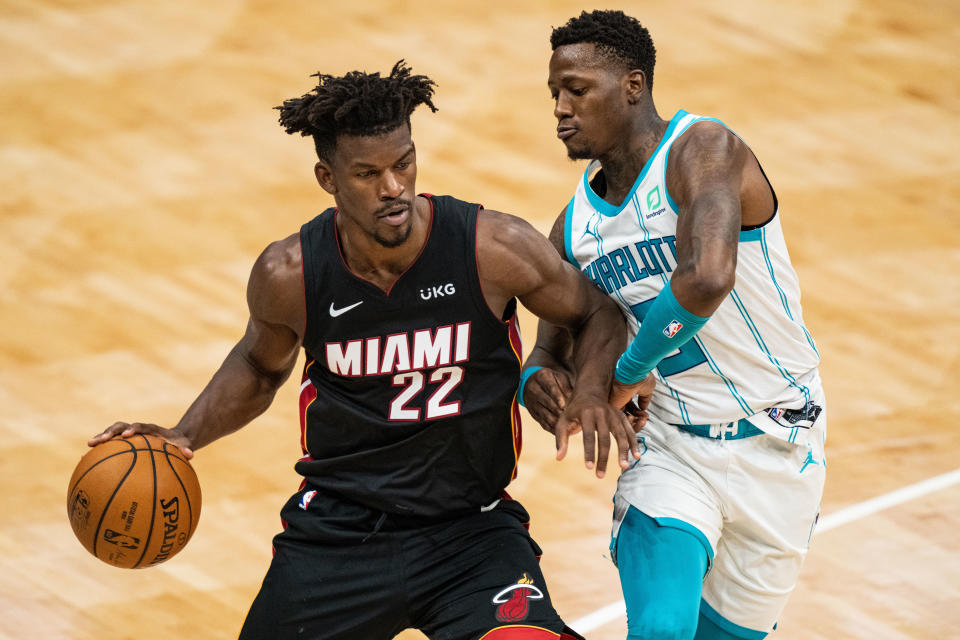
(413, 383)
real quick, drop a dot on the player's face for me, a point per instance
(590, 102)
(373, 181)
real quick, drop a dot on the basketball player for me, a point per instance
(406, 307)
(676, 222)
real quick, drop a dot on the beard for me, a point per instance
(579, 153)
(394, 240)
(397, 235)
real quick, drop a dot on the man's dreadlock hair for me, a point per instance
(357, 104)
(617, 36)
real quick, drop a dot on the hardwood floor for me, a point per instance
(144, 171)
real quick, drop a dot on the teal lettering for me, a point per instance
(591, 272)
(671, 242)
(649, 258)
(622, 267)
(640, 273)
(663, 259)
(609, 278)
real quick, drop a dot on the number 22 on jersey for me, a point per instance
(413, 383)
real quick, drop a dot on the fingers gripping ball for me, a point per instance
(134, 502)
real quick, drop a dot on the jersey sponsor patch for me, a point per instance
(671, 329)
(438, 291)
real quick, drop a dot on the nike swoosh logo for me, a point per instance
(339, 312)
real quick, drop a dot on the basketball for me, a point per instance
(134, 502)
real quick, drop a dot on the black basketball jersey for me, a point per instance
(408, 404)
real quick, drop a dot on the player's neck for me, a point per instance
(381, 265)
(623, 163)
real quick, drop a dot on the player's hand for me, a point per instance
(636, 416)
(127, 430)
(622, 397)
(545, 396)
(598, 420)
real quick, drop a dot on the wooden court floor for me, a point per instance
(142, 171)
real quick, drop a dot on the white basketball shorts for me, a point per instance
(755, 500)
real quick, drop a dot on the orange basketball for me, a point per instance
(134, 502)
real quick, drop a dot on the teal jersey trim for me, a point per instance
(666, 156)
(670, 201)
(713, 616)
(596, 234)
(813, 345)
(646, 232)
(763, 347)
(608, 209)
(684, 414)
(766, 258)
(732, 388)
(568, 233)
(783, 297)
(752, 235)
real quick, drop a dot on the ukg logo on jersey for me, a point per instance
(438, 291)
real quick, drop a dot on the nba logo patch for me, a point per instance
(671, 329)
(775, 413)
(306, 498)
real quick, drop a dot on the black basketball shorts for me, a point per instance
(474, 577)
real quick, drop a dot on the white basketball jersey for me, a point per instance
(752, 355)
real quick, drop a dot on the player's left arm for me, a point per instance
(248, 379)
(515, 260)
(705, 177)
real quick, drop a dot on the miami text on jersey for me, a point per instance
(399, 352)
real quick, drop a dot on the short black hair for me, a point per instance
(616, 35)
(357, 104)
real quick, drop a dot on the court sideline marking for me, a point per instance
(611, 612)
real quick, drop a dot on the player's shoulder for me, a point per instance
(503, 228)
(275, 288)
(705, 136)
(513, 233)
(505, 239)
(280, 258)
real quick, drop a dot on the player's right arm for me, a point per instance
(547, 390)
(245, 384)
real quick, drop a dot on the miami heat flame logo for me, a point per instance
(513, 600)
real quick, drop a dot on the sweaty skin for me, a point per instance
(382, 227)
(608, 114)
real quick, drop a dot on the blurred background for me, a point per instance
(142, 171)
